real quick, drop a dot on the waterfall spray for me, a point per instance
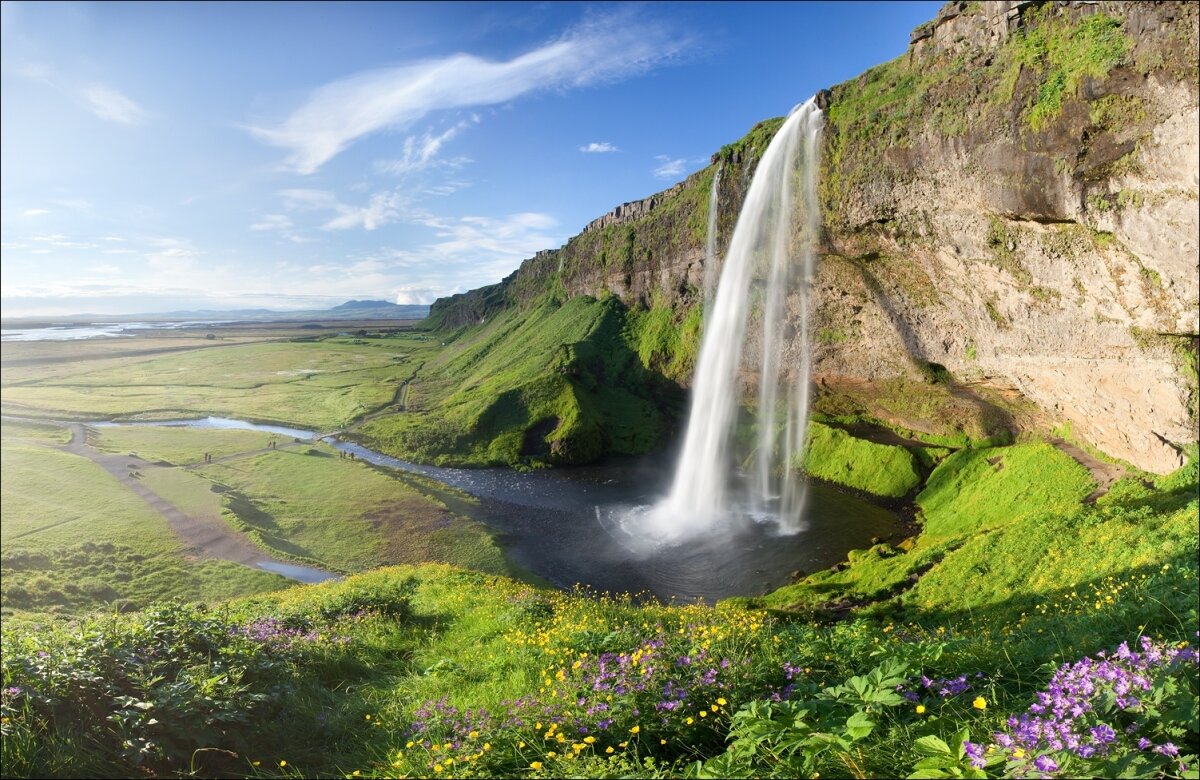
(763, 271)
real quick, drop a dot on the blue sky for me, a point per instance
(230, 155)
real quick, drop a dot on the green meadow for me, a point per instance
(75, 540)
(323, 385)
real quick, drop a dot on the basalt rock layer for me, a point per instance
(1011, 205)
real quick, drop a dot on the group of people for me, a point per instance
(345, 454)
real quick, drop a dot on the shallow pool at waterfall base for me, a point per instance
(580, 526)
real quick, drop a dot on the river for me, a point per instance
(570, 526)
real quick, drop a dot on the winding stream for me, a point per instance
(564, 525)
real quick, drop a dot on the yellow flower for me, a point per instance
(366, 717)
(920, 709)
(715, 708)
(1019, 753)
(410, 744)
(635, 729)
(551, 754)
(521, 744)
(608, 749)
(437, 767)
(980, 703)
(473, 734)
(690, 721)
(721, 701)
(662, 742)
(282, 763)
(589, 739)
(704, 713)
(536, 765)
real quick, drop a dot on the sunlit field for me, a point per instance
(322, 385)
(75, 540)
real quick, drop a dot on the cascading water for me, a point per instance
(764, 266)
(710, 247)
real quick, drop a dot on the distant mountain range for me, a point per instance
(350, 310)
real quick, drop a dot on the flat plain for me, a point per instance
(78, 538)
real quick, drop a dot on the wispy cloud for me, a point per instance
(471, 251)
(303, 199)
(382, 208)
(599, 147)
(603, 49)
(421, 152)
(110, 105)
(34, 212)
(669, 168)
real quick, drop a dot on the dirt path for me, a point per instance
(207, 535)
(1104, 473)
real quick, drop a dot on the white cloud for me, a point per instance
(34, 212)
(335, 115)
(308, 199)
(104, 268)
(273, 222)
(59, 241)
(669, 168)
(472, 251)
(599, 148)
(446, 188)
(282, 225)
(382, 209)
(421, 153)
(109, 104)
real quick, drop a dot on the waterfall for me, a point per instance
(764, 276)
(710, 247)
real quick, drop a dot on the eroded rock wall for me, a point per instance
(1014, 199)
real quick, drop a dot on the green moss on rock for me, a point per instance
(881, 469)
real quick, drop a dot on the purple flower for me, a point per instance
(1103, 734)
(1044, 763)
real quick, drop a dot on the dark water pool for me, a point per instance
(580, 526)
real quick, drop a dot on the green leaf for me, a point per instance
(858, 726)
(933, 746)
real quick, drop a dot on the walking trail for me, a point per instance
(206, 534)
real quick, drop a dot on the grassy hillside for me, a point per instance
(559, 383)
(436, 671)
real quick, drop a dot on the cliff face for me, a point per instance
(1013, 200)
